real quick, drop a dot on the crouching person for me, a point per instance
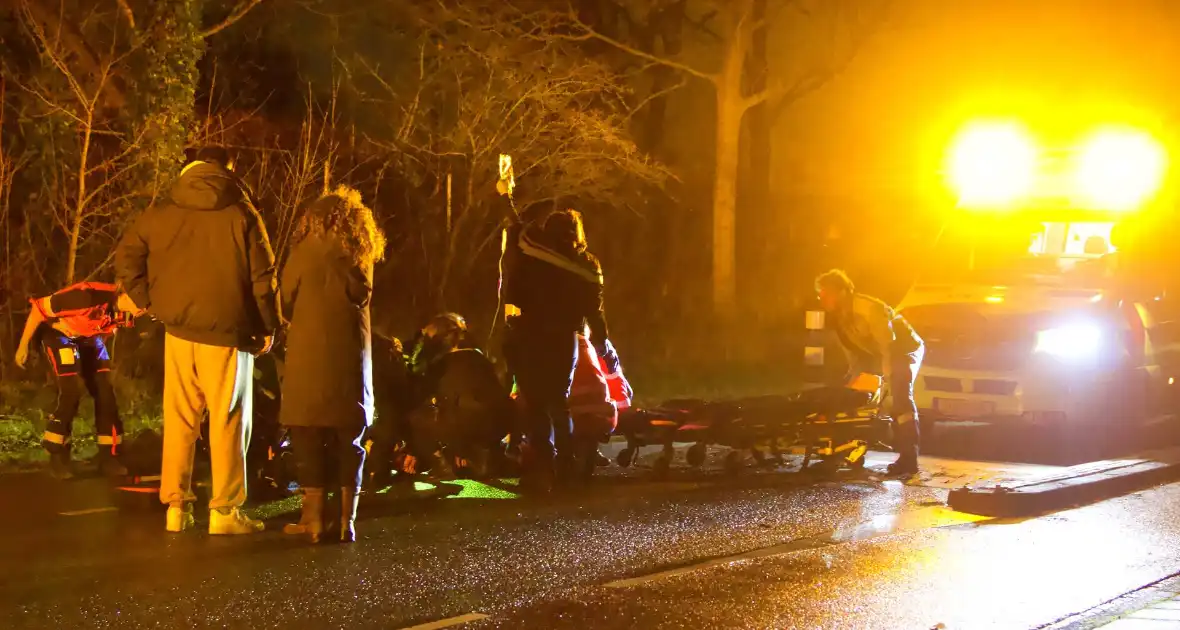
(389, 435)
(74, 326)
(463, 411)
(328, 376)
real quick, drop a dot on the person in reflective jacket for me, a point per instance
(553, 289)
(877, 340)
(74, 326)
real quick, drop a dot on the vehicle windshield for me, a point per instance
(1066, 255)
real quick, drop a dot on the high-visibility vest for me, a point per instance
(590, 395)
(96, 317)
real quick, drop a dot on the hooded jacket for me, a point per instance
(557, 294)
(201, 263)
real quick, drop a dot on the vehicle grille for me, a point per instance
(960, 337)
(993, 387)
(942, 384)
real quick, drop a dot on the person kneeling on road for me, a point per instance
(390, 435)
(463, 411)
(879, 341)
(74, 327)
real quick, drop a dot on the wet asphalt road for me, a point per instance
(770, 550)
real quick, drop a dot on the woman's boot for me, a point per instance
(311, 521)
(349, 497)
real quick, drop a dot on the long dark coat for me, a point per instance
(328, 380)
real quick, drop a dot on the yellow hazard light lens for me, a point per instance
(1120, 169)
(992, 164)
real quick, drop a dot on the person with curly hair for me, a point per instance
(328, 382)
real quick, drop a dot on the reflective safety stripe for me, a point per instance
(813, 355)
(107, 440)
(533, 249)
(55, 438)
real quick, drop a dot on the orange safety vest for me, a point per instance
(96, 317)
(590, 395)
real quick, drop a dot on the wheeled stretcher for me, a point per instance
(833, 426)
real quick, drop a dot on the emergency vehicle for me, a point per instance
(1042, 303)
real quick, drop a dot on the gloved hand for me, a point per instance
(614, 367)
(610, 357)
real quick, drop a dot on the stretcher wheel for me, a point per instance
(695, 455)
(733, 462)
(625, 457)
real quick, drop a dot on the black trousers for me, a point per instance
(543, 364)
(82, 365)
(906, 434)
(328, 457)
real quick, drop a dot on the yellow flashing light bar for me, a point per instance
(992, 164)
(1120, 169)
(995, 165)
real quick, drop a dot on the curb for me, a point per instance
(1074, 486)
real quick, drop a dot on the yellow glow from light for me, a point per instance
(992, 164)
(1120, 169)
(994, 299)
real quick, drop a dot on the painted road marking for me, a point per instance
(448, 622)
(90, 511)
(885, 525)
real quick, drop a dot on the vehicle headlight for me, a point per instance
(1078, 341)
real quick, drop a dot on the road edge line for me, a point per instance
(448, 622)
(100, 510)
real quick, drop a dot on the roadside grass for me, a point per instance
(24, 411)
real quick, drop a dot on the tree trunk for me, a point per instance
(730, 107)
(754, 194)
(80, 208)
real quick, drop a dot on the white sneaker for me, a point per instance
(236, 522)
(179, 518)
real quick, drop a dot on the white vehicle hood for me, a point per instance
(1015, 299)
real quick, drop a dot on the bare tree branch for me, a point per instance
(127, 13)
(238, 13)
(589, 33)
(781, 98)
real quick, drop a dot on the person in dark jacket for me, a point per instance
(462, 409)
(201, 263)
(552, 291)
(328, 380)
